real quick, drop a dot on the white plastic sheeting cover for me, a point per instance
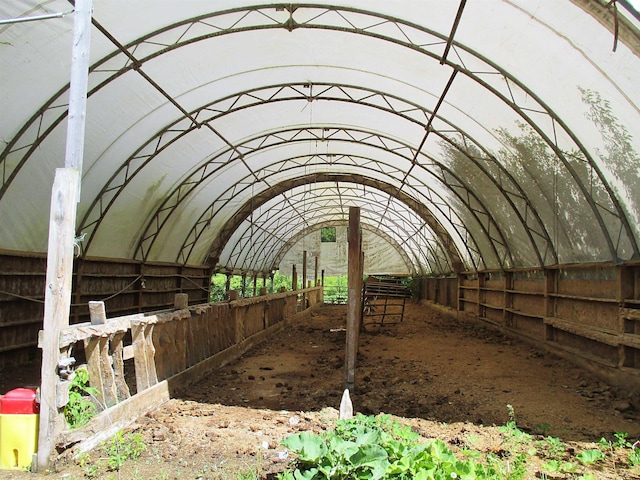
(482, 134)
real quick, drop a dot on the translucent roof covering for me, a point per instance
(473, 135)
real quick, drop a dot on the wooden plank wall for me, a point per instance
(589, 314)
(125, 286)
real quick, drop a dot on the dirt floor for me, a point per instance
(447, 379)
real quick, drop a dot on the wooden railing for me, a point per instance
(136, 361)
(589, 314)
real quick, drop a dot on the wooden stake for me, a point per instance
(354, 299)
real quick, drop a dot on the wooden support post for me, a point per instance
(322, 278)
(144, 356)
(255, 284)
(550, 289)
(304, 278)
(227, 285)
(57, 305)
(122, 389)
(243, 288)
(294, 278)
(64, 199)
(101, 374)
(315, 274)
(354, 299)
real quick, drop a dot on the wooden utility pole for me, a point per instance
(354, 298)
(60, 250)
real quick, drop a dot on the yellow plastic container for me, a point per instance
(18, 428)
(18, 440)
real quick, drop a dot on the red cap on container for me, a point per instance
(20, 401)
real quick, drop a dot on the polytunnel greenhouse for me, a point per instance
(490, 148)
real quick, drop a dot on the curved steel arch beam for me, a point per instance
(249, 235)
(318, 226)
(241, 251)
(392, 146)
(233, 191)
(437, 258)
(506, 185)
(290, 23)
(245, 211)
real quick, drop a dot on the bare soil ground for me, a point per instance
(447, 379)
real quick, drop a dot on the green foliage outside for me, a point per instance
(219, 280)
(335, 289)
(80, 408)
(328, 234)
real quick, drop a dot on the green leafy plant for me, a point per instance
(634, 457)
(552, 447)
(511, 432)
(621, 440)
(560, 466)
(588, 457)
(80, 409)
(123, 447)
(91, 469)
(376, 447)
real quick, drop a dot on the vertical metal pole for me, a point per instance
(60, 250)
(78, 85)
(354, 299)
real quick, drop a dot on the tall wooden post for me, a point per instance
(294, 278)
(56, 307)
(354, 299)
(315, 274)
(227, 285)
(60, 250)
(304, 278)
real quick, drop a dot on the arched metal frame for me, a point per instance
(279, 255)
(397, 225)
(28, 139)
(257, 200)
(417, 204)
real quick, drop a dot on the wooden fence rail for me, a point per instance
(135, 361)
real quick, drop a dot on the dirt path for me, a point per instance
(428, 366)
(444, 377)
